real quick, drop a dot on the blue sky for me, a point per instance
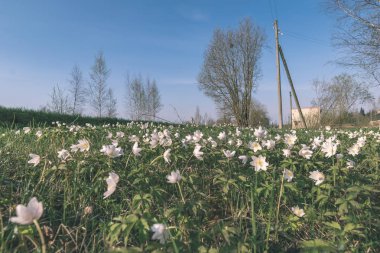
(162, 39)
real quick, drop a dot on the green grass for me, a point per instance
(220, 205)
(17, 117)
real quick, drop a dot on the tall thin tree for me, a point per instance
(98, 84)
(76, 90)
(143, 99)
(135, 97)
(154, 100)
(59, 101)
(111, 104)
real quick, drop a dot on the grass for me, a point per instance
(219, 205)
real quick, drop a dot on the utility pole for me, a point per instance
(292, 86)
(280, 122)
(291, 110)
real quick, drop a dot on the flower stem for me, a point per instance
(173, 242)
(180, 191)
(41, 236)
(278, 205)
(253, 219)
(270, 212)
(155, 159)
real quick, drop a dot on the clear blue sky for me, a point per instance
(40, 41)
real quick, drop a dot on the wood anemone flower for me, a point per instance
(27, 214)
(298, 211)
(35, 159)
(167, 156)
(174, 177)
(317, 176)
(160, 232)
(112, 181)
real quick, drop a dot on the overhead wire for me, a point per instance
(271, 9)
(304, 37)
(275, 8)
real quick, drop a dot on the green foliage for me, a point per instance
(13, 117)
(219, 205)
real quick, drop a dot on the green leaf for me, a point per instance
(132, 218)
(354, 204)
(340, 201)
(348, 227)
(145, 224)
(290, 186)
(316, 244)
(333, 224)
(343, 208)
(25, 230)
(326, 186)
(354, 189)
(202, 249)
(328, 213)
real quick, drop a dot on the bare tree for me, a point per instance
(76, 90)
(111, 104)
(231, 69)
(197, 120)
(135, 98)
(98, 84)
(358, 34)
(338, 97)
(143, 99)
(153, 100)
(259, 115)
(59, 101)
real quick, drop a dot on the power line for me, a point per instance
(304, 37)
(271, 9)
(275, 8)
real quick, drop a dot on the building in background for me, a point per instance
(312, 117)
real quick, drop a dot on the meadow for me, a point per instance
(146, 187)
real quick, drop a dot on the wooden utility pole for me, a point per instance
(291, 110)
(280, 122)
(291, 85)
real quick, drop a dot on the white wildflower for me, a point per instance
(35, 159)
(174, 177)
(159, 232)
(27, 214)
(259, 163)
(317, 176)
(298, 211)
(112, 181)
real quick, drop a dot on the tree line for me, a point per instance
(142, 98)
